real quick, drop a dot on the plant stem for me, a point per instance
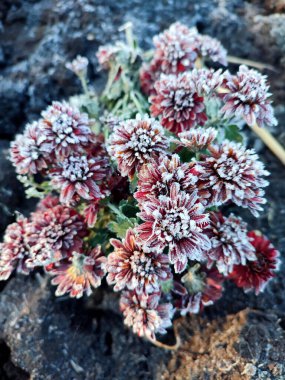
(249, 62)
(84, 84)
(270, 141)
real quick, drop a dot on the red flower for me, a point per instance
(135, 142)
(54, 234)
(129, 266)
(197, 138)
(14, 251)
(144, 314)
(175, 49)
(175, 221)
(255, 275)
(65, 129)
(155, 178)
(233, 173)
(197, 289)
(211, 48)
(246, 95)
(90, 213)
(80, 176)
(177, 103)
(79, 274)
(30, 152)
(230, 244)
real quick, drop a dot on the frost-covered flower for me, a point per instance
(129, 266)
(30, 152)
(48, 202)
(135, 142)
(78, 66)
(207, 81)
(14, 250)
(65, 128)
(234, 173)
(106, 54)
(177, 103)
(144, 314)
(79, 274)
(156, 177)
(79, 175)
(198, 138)
(246, 95)
(175, 49)
(197, 289)
(149, 74)
(54, 234)
(176, 221)
(211, 48)
(254, 275)
(230, 244)
(90, 213)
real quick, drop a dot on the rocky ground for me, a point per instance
(241, 337)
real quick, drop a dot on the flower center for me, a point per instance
(182, 100)
(141, 264)
(76, 168)
(177, 224)
(62, 126)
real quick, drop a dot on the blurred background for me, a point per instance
(241, 336)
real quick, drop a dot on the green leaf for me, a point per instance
(232, 133)
(121, 226)
(186, 155)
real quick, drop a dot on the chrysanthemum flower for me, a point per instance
(255, 275)
(230, 244)
(177, 103)
(211, 48)
(207, 81)
(65, 128)
(175, 49)
(175, 221)
(79, 274)
(144, 314)
(30, 152)
(197, 138)
(90, 213)
(79, 175)
(149, 74)
(156, 177)
(129, 266)
(189, 299)
(246, 95)
(234, 173)
(54, 234)
(48, 202)
(135, 142)
(106, 54)
(78, 66)
(14, 251)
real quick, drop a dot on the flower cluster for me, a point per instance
(177, 50)
(141, 199)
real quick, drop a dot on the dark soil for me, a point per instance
(41, 337)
